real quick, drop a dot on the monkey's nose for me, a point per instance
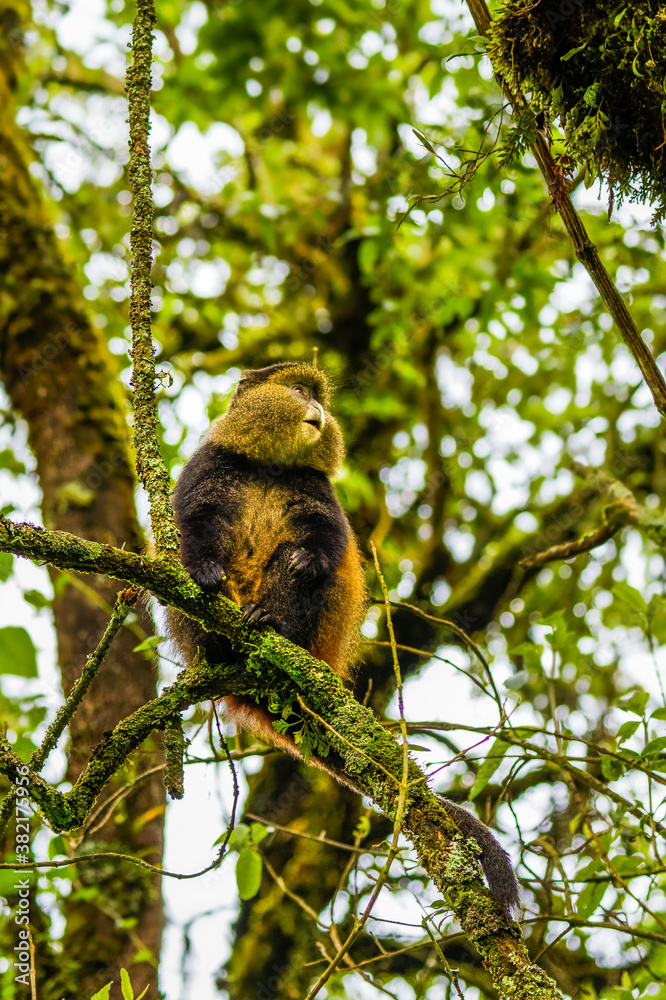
(315, 414)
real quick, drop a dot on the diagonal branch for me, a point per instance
(584, 248)
(368, 753)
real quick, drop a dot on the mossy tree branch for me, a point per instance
(584, 248)
(124, 603)
(269, 664)
(151, 470)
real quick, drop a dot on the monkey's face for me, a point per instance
(314, 415)
(278, 415)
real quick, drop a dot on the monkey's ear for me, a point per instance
(247, 381)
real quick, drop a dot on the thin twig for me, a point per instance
(451, 973)
(234, 779)
(318, 840)
(344, 739)
(592, 540)
(33, 967)
(281, 884)
(465, 638)
(429, 655)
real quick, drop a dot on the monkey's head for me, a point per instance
(280, 414)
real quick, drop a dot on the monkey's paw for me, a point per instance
(306, 564)
(254, 614)
(208, 575)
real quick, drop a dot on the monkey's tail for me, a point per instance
(495, 862)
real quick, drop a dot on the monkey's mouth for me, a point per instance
(314, 423)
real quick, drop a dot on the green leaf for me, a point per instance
(612, 768)
(239, 837)
(6, 565)
(559, 633)
(654, 747)
(362, 828)
(37, 599)
(624, 865)
(17, 652)
(517, 680)
(149, 643)
(588, 870)
(657, 619)
(572, 52)
(590, 898)
(126, 986)
(590, 95)
(630, 596)
(368, 253)
(635, 703)
(423, 139)
(57, 846)
(531, 654)
(488, 768)
(626, 730)
(524, 647)
(103, 994)
(659, 714)
(259, 832)
(248, 873)
(552, 619)
(9, 461)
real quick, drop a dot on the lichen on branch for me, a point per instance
(151, 469)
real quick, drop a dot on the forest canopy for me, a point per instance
(457, 213)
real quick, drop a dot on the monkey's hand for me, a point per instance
(208, 574)
(307, 565)
(260, 617)
(254, 614)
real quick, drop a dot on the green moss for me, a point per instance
(174, 750)
(598, 68)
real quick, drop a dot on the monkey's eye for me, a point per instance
(300, 390)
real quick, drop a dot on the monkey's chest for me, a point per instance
(260, 527)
